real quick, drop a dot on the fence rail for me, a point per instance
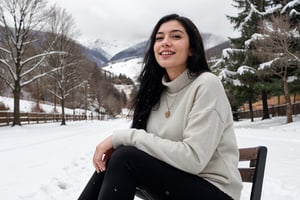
(6, 118)
(279, 110)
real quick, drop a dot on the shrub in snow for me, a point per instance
(3, 106)
(37, 108)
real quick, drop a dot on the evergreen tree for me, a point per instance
(242, 56)
(240, 60)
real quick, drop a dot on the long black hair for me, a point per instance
(150, 78)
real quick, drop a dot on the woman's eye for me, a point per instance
(159, 38)
(176, 37)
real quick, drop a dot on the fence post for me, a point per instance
(7, 118)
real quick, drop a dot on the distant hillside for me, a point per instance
(212, 40)
(216, 51)
(97, 56)
(135, 51)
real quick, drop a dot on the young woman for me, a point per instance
(182, 143)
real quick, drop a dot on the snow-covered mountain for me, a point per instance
(127, 62)
(136, 51)
(98, 55)
(109, 48)
(117, 50)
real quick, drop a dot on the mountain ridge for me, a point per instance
(104, 51)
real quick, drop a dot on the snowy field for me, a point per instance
(53, 162)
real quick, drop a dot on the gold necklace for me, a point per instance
(168, 112)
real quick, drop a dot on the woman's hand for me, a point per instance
(102, 154)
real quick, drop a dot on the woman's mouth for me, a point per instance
(167, 53)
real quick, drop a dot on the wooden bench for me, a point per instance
(252, 173)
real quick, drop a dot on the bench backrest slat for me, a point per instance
(255, 172)
(247, 174)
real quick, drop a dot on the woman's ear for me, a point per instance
(190, 52)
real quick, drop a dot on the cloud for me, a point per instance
(134, 19)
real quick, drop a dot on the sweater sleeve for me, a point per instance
(203, 128)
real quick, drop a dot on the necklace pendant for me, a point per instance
(167, 114)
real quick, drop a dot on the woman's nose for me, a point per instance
(166, 42)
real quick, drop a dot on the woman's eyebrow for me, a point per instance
(177, 30)
(172, 31)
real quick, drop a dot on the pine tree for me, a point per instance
(243, 57)
(240, 59)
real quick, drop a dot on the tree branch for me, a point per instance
(39, 76)
(12, 73)
(43, 55)
(11, 86)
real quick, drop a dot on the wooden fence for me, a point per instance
(6, 118)
(274, 111)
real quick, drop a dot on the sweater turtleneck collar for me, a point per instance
(179, 83)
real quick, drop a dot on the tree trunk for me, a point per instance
(251, 109)
(85, 99)
(265, 105)
(55, 101)
(289, 111)
(17, 94)
(63, 117)
(38, 95)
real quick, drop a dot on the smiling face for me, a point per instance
(171, 48)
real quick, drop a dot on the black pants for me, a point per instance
(129, 168)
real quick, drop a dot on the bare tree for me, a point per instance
(278, 48)
(66, 79)
(20, 24)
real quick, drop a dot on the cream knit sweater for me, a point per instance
(198, 137)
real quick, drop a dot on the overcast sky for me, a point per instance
(134, 19)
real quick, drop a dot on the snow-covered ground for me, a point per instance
(53, 162)
(27, 106)
(130, 68)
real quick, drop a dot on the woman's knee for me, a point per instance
(124, 154)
